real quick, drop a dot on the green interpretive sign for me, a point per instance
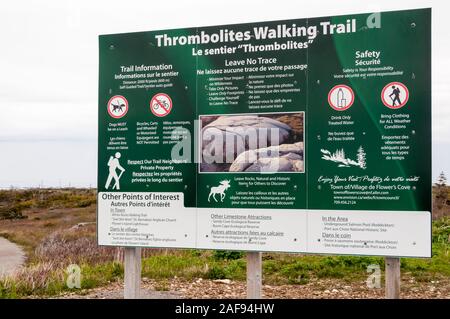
(307, 135)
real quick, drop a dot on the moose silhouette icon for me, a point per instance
(224, 185)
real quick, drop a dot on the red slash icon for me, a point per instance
(161, 104)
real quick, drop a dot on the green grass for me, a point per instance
(54, 282)
(191, 264)
(48, 280)
(167, 266)
(188, 265)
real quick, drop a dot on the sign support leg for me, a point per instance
(132, 270)
(392, 278)
(254, 275)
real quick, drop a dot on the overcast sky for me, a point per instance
(49, 72)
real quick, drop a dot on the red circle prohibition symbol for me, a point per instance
(341, 86)
(161, 107)
(110, 112)
(391, 106)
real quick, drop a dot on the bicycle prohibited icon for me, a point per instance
(341, 97)
(161, 104)
(117, 106)
(395, 95)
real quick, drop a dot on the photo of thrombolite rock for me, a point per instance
(270, 142)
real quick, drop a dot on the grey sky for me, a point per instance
(48, 77)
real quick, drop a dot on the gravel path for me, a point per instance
(12, 257)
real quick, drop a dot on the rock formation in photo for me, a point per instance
(228, 136)
(282, 158)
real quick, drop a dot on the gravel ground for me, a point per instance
(227, 289)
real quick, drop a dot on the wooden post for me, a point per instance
(392, 278)
(254, 275)
(132, 268)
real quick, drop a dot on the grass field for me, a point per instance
(57, 228)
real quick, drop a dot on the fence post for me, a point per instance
(392, 278)
(254, 275)
(132, 269)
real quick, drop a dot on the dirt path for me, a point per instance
(12, 257)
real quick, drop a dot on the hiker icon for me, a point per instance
(395, 95)
(114, 164)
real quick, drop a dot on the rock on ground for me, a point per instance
(176, 288)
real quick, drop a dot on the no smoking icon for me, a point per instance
(161, 104)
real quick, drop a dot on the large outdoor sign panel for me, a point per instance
(308, 135)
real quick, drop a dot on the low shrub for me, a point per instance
(64, 248)
(216, 272)
(227, 255)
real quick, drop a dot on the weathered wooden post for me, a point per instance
(132, 269)
(392, 277)
(254, 275)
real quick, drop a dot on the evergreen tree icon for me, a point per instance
(361, 158)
